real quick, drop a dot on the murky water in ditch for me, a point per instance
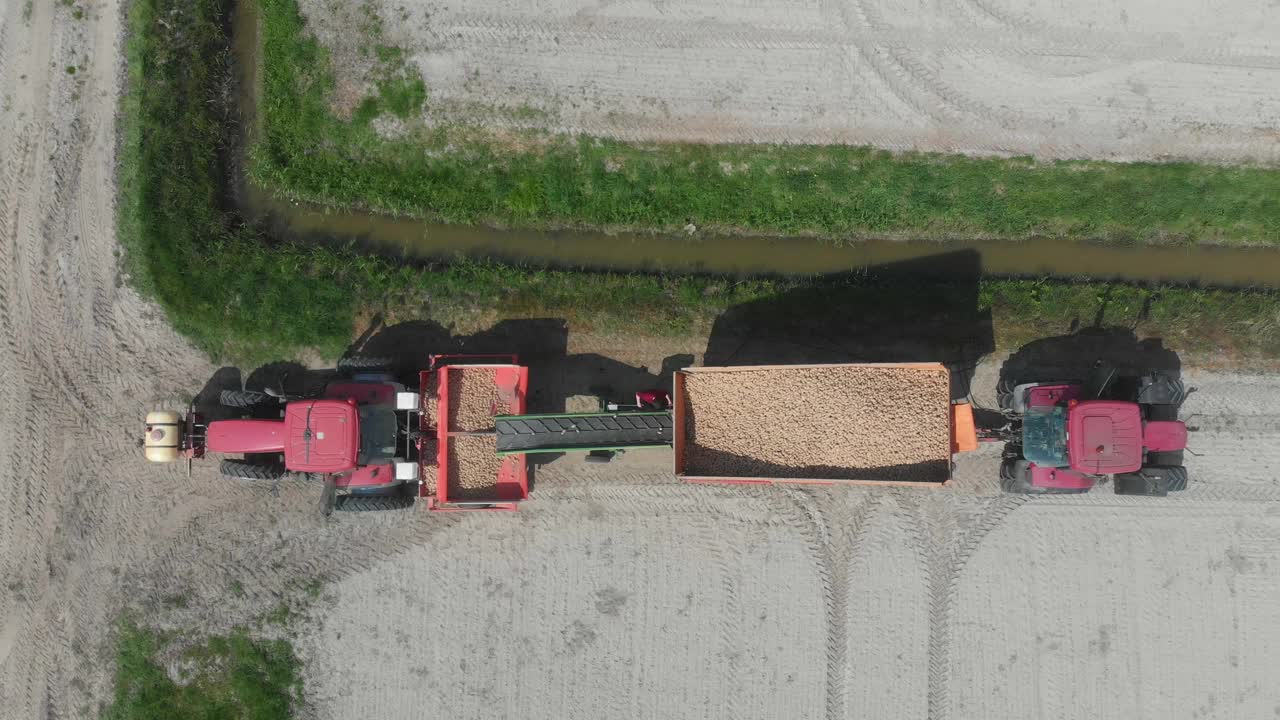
(737, 255)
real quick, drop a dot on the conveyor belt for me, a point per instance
(582, 432)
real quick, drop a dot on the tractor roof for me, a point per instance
(321, 436)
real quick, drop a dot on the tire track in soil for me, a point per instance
(945, 542)
(833, 535)
(728, 561)
(918, 69)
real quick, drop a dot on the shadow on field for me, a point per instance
(704, 461)
(1072, 357)
(924, 310)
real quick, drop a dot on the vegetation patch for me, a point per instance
(467, 175)
(242, 295)
(231, 676)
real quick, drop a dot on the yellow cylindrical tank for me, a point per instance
(163, 438)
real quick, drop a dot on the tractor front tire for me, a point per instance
(246, 399)
(1152, 481)
(1015, 479)
(1015, 476)
(242, 470)
(372, 503)
(1004, 396)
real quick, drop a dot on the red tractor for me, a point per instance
(1065, 437)
(361, 432)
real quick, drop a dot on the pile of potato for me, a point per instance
(836, 422)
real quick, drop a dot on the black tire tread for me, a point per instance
(243, 470)
(372, 503)
(362, 363)
(243, 398)
(1143, 484)
(1175, 477)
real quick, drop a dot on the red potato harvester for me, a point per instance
(370, 437)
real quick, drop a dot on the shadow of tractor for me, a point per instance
(1072, 357)
(923, 310)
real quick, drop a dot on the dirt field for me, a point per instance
(616, 592)
(1090, 78)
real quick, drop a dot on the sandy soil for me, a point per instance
(616, 592)
(1090, 78)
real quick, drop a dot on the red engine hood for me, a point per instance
(1104, 437)
(245, 436)
(321, 436)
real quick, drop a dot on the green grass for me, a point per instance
(220, 284)
(232, 676)
(464, 175)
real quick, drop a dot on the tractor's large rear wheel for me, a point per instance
(247, 399)
(1162, 412)
(372, 503)
(1171, 458)
(1152, 481)
(1162, 389)
(243, 470)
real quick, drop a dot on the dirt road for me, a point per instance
(1103, 79)
(615, 593)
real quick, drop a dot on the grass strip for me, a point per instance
(232, 676)
(466, 175)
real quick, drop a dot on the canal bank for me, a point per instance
(241, 293)
(696, 250)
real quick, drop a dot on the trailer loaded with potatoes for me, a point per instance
(460, 438)
(879, 424)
